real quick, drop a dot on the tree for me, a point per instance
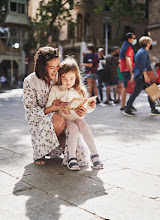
(132, 9)
(125, 8)
(49, 18)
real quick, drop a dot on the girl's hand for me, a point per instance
(92, 104)
(81, 111)
(63, 108)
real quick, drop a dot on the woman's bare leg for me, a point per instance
(59, 123)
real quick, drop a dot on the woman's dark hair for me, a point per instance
(157, 65)
(43, 55)
(128, 35)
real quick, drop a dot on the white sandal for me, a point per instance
(72, 164)
(97, 164)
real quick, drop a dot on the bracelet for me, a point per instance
(145, 76)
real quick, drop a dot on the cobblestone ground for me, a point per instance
(128, 188)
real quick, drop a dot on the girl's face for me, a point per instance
(68, 79)
(52, 67)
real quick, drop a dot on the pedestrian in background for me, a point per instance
(127, 62)
(45, 124)
(142, 64)
(100, 72)
(120, 84)
(112, 61)
(91, 65)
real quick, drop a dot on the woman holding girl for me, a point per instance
(45, 124)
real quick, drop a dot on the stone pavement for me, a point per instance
(128, 188)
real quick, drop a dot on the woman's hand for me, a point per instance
(92, 104)
(56, 102)
(81, 111)
(147, 80)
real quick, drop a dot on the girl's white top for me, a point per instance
(65, 95)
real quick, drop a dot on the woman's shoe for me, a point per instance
(40, 161)
(97, 164)
(72, 164)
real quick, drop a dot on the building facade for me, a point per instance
(14, 24)
(153, 29)
(91, 27)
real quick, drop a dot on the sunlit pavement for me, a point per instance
(128, 188)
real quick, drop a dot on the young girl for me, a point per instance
(70, 86)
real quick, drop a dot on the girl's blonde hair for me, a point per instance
(70, 64)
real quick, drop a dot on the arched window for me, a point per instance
(79, 27)
(86, 27)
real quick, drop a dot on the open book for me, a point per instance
(77, 102)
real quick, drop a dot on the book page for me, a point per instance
(76, 102)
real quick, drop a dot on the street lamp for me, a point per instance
(106, 34)
(15, 45)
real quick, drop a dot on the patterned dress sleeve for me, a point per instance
(52, 97)
(32, 110)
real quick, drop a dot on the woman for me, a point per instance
(45, 124)
(142, 64)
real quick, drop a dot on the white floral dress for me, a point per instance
(44, 139)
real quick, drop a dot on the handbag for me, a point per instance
(153, 92)
(151, 75)
(130, 87)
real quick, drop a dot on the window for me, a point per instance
(13, 32)
(147, 9)
(21, 8)
(70, 30)
(17, 7)
(86, 27)
(106, 6)
(13, 6)
(79, 26)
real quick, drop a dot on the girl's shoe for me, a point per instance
(72, 164)
(97, 164)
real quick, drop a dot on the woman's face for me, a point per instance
(52, 67)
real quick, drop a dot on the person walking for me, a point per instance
(100, 72)
(142, 64)
(127, 62)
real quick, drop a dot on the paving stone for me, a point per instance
(37, 205)
(118, 204)
(7, 184)
(137, 162)
(134, 181)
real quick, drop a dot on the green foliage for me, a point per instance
(124, 8)
(49, 18)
